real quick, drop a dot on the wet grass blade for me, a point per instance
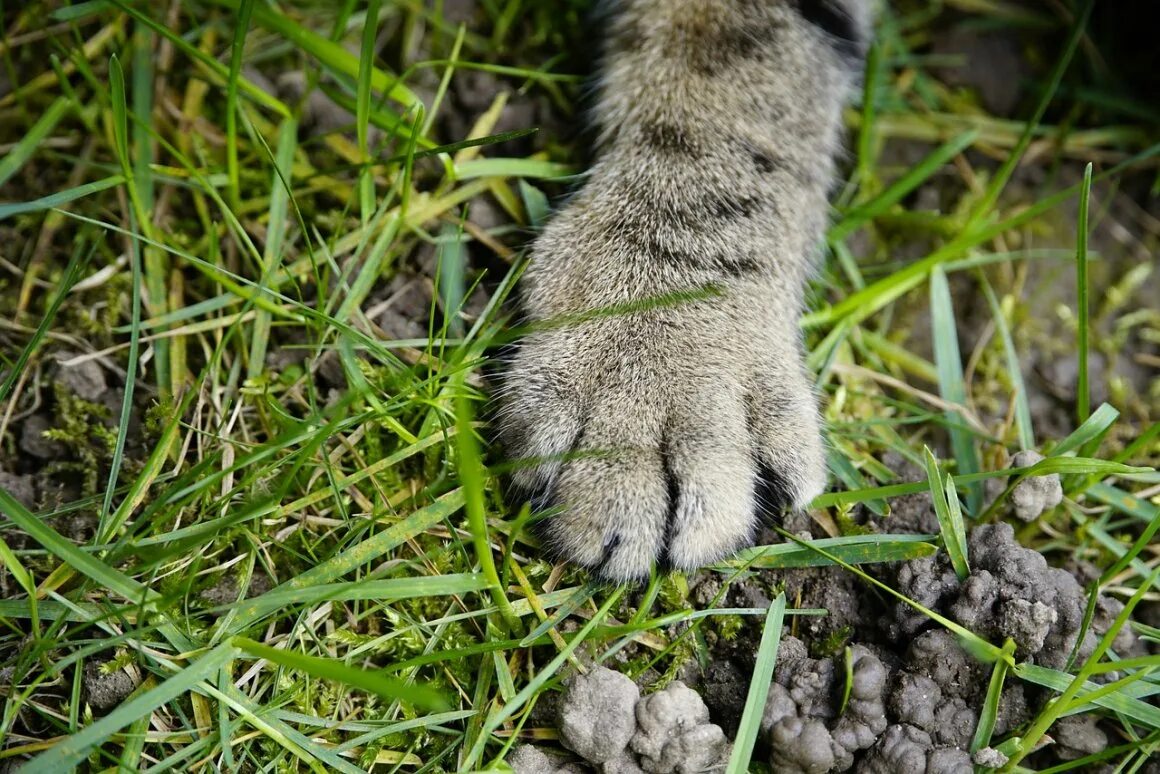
(758, 688)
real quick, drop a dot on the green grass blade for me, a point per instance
(535, 685)
(68, 279)
(853, 549)
(988, 202)
(471, 476)
(974, 644)
(759, 684)
(276, 225)
(330, 54)
(366, 67)
(1077, 684)
(241, 28)
(1083, 389)
(1023, 424)
(332, 669)
(950, 518)
(990, 710)
(949, 363)
(121, 138)
(82, 562)
(33, 137)
(499, 167)
(863, 303)
(320, 759)
(379, 591)
(897, 191)
(1092, 429)
(61, 198)
(1129, 702)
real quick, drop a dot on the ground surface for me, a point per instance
(251, 292)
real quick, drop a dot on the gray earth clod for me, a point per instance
(85, 379)
(674, 733)
(1012, 592)
(102, 690)
(806, 732)
(597, 715)
(906, 748)
(1035, 494)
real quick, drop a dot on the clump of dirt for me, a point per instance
(106, 688)
(902, 695)
(604, 720)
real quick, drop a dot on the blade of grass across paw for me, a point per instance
(766, 658)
